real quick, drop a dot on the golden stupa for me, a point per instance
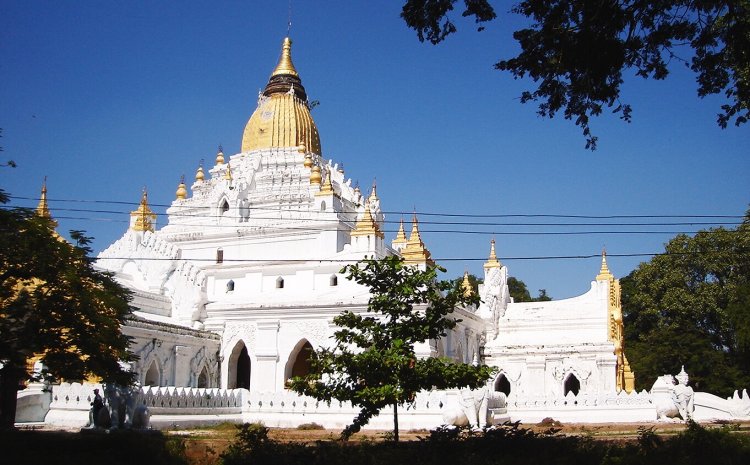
(283, 118)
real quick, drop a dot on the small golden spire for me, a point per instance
(200, 176)
(43, 209)
(228, 174)
(315, 176)
(285, 65)
(492, 262)
(327, 188)
(400, 235)
(220, 156)
(181, 192)
(415, 253)
(466, 285)
(604, 273)
(366, 224)
(144, 217)
(308, 160)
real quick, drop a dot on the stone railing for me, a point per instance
(583, 408)
(174, 400)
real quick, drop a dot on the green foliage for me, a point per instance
(520, 292)
(373, 363)
(54, 304)
(510, 444)
(576, 51)
(691, 306)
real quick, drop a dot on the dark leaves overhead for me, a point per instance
(576, 51)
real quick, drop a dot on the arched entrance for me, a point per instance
(152, 375)
(239, 368)
(571, 385)
(299, 360)
(203, 378)
(502, 385)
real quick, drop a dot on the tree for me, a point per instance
(577, 50)
(373, 363)
(520, 292)
(691, 306)
(54, 305)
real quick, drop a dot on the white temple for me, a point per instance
(233, 293)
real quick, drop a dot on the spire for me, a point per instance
(400, 235)
(181, 192)
(143, 217)
(200, 176)
(466, 286)
(327, 188)
(315, 176)
(43, 209)
(366, 224)
(374, 192)
(220, 156)
(285, 65)
(415, 253)
(492, 262)
(308, 161)
(228, 174)
(604, 273)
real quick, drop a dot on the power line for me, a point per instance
(406, 213)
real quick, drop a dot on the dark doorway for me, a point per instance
(243, 370)
(502, 385)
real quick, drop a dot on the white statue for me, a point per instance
(673, 399)
(475, 407)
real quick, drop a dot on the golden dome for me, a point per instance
(200, 175)
(283, 118)
(220, 156)
(308, 161)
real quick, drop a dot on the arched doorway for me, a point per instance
(203, 378)
(152, 375)
(502, 385)
(299, 360)
(239, 368)
(571, 385)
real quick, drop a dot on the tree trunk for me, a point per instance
(395, 422)
(9, 379)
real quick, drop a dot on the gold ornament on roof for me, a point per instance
(366, 225)
(144, 217)
(282, 118)
(181, 192)
(415, 252)
(200, 176)
(285, 65)
(492, 262)
(308, 161)
(315, 176)
(220, 156)
(468, 289)
(400, 235)
(228, 173)
(42, 209)
(604, 273)
(327, 188)
(374, 191)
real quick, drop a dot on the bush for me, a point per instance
(310, 426)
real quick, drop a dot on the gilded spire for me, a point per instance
(200, 176)
(228, 173)
(181, 192)
(466, 286)
(415, 252)
(327, 188)
(308, 161)
(400, 235)
(492, 262)
(604, 273)
(315, 176)
(374, 192)
(143, 217)
(285, 65)
(366, 224)
(43, 209)
(220, 156)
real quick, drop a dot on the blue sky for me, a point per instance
(107, 97)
